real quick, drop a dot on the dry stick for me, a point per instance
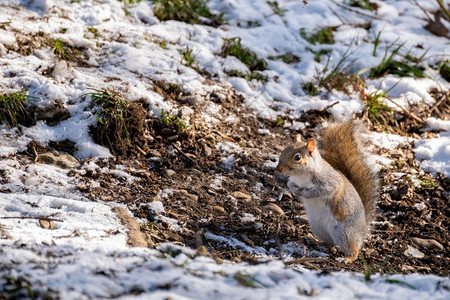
(37, 218)
(436, 105)
(359, 12)
(141, 151)
(305, 260)
(406, 111)
(329, 106)
(225, 136)
(444, 9)
(426, 13)
(359, 25)
(182, 153)
(280, 250)
(340, 19)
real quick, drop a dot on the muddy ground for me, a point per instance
(248, 200)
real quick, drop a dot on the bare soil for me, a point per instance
(186, 165)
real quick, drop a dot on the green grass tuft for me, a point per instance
(311, 88)
(245, 279)
(187, 57)
(323, 35)
(112, 109)
(64, 50)
(444, 70)
(378, 112)
(276, 8)
(364, 4)
(234, 48)
(60, 49)
(129, 2)
(16, 288)
(13, 109)
(188, 11)
(175, 120)
(248, 76)
(318, 54)
(407, 67)
(287, 58)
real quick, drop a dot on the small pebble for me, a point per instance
(272, 207)
(241, 195)
(169, 172)
(427, 243)
(218, 209)
(413, 252)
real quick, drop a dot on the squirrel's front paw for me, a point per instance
(346, 260)
(295, 189)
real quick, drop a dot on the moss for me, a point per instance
(188, 11)
(234, 48)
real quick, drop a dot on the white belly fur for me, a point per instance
(320, 219)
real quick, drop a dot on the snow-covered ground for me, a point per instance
(86, 256)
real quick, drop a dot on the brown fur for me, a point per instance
(341, 146)
(338, 210)
(354, 250)
(287, 155)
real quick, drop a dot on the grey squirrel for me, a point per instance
(337, 185)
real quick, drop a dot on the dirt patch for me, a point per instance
(196, 188)
(136, 238)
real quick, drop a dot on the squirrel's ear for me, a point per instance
(298, 138)
(311, 145)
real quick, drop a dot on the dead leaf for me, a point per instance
(47, 224)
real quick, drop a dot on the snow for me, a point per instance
(86, 256)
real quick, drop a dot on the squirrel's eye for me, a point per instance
(297, 157)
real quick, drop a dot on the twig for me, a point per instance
(182, 153)
(35, 154)
(280, 250)
(444, 9)
(329, 106)
(426, 13)
(225, 136)
(438, 103)
(358, 12)
(340, 19)
(305, 260)
(141, 151)
(406, 111)
(37, 218)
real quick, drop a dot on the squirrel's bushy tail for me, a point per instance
(341, 145)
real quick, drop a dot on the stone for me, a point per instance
(154, 153)
(241, 195)
(408, 268)
(427, 243)
(218, 209)
(188, 195)
(167, 132)
(169, 172)
(207, 150)
(413, 252)
(272, 207)
(58, 159)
